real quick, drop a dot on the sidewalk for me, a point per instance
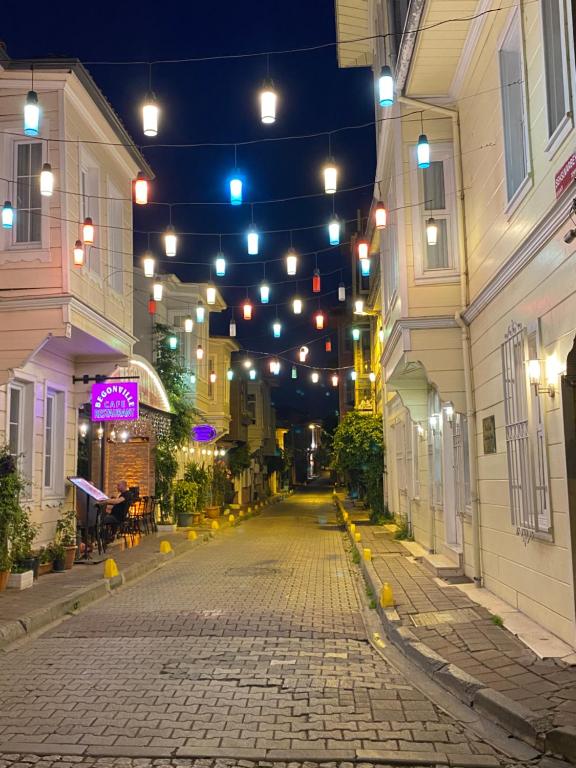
(57, 595)
(458, 643)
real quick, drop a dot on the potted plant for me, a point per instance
(222, 487)
(58, 554)
(12, 483)
(21, 577)
(5, 568)
(185, 503)
(199, 475)
(45, 560)
(66, 535)
(166, 469)
(21, 539)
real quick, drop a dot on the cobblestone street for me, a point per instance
(252, 647)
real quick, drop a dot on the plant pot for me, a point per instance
(69, 557)
(185, 519)
(166, 527)
(30, 564)
(21, 580)
(4, 576)
(44, 568)
(212, 513)
(59, 564)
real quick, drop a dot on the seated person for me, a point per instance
(117, 508)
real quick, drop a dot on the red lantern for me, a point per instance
(328, 345)
(151, 306)
(247, 309)
(319, 321)
(141, 189)
(316, 281)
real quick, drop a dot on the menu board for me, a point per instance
(87, 487)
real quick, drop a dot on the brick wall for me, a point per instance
(132, 461)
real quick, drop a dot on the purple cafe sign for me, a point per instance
(115, 401)
(203, 433)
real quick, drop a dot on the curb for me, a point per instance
(534, 729)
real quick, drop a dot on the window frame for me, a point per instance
(26, 389)
(55, 487)
(89, 205)
(566, 124)
(115, 258)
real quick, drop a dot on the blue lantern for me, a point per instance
(31, 114)
(334, 231)
(7, 215)
(423, 151)
(365, 267)
(386, 87)
(236, 190)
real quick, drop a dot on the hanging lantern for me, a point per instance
(315, 377)
(381, 335)
(188, 324)
(7, 215)
(200, 312)
(372, 376)
(277, 329)
(252, 241)
(220, 266)
(88, 231)
(210, 295)
(341, 292)
(235, 190)
(294, 372)
(229, 374)
(386, 87)
(291, 262)
(252, 374)
(247, 310)
(272, 365)
(365, 267)
(247, 363)
(334, 231)
(330, 177)
(150, 113)
(316, 281)
(423, 151)
(276, 370)
(172, 342)
(297, 306)
(268, 100)
(362, 249)
(157, 290)
(46, 180)
(151, 306)
(356, 334)
(334, 380)
(303, 354)
(232, 328)
(170, 241)
(149, 264)
(264, 293)
(192, 378)
(319, 318)
(199, 352)
(78, 254)
(431, 231)
(141, 189)
(359, 307)
(328, 346)
(353, 375)
(212, 377)
(380, 216)
(31, 114)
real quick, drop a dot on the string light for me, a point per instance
(328, 345)
(199, 352)
(170, 241)
(315, 377)
(229, 374)
(274, 366)
(236, 190)
(359, 307)
(303, 354)
(264, 293)
(268, 99)
(252, 374)
(353, 375)
(141, 189)
(372, 376)
(200, 312)
(46, 180)
(192, 378)
(316, 281)
(297, 306)
(7, 215)
(151, 306)
(291, 262)
(356, 334)
(341, 292)
(150, 114)
(188, 324)
(31, 114)
(210, 295)
(334, 380)
(277, 329)
(380, 216)
(172, 342)
(365, 267)
(386, 87)
(78, 254)
(362, 249)
(149, 265)
(423, 147)
(252, 240)
(330, 177)
(319, 318)
(88, 231)
(431, 231)
(247, 363)
(334, 231)
(212, 377)
(294, 372)
(232, 329)
(157, 290)
(247, 310)
(220, 266)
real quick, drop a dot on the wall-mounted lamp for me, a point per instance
(434, 422)
(535, 376)
(449, 412)
(421, 431)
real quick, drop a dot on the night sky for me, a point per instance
(216, 101)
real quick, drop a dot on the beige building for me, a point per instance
(477, 363)
(59, 321)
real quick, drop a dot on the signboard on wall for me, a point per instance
(115, 401)
(203, 433)
(489, 434)
(565, 176)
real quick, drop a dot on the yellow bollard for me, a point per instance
(215, 525)
(241, 513)
(345, 516)
(192, 535)
(110, 569)
(367, 554)
(165, 547)
(231, 518)
(352, 528)
(386, 596)
(249, 510)
(358, 536)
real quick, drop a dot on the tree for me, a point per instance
(358, 453)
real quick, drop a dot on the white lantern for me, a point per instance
(150, 113)
(268, 99)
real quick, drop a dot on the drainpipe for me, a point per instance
(465, 331)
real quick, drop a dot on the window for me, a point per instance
(554, 63)
(400, 449)
(525, 438)
(211, 387)
(115, 242)
(513, 108)
(461, 463)
(389, 249)
(435, 204)
(54, 442)
(28, 198)
(49, 440)
(15, 421)
(251, 406)
(90, 207)
(435, 451)
(20, 427)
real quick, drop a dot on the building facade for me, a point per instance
(478, 322)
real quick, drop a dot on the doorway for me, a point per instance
(569, 413)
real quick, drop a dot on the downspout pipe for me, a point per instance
(453, 114)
